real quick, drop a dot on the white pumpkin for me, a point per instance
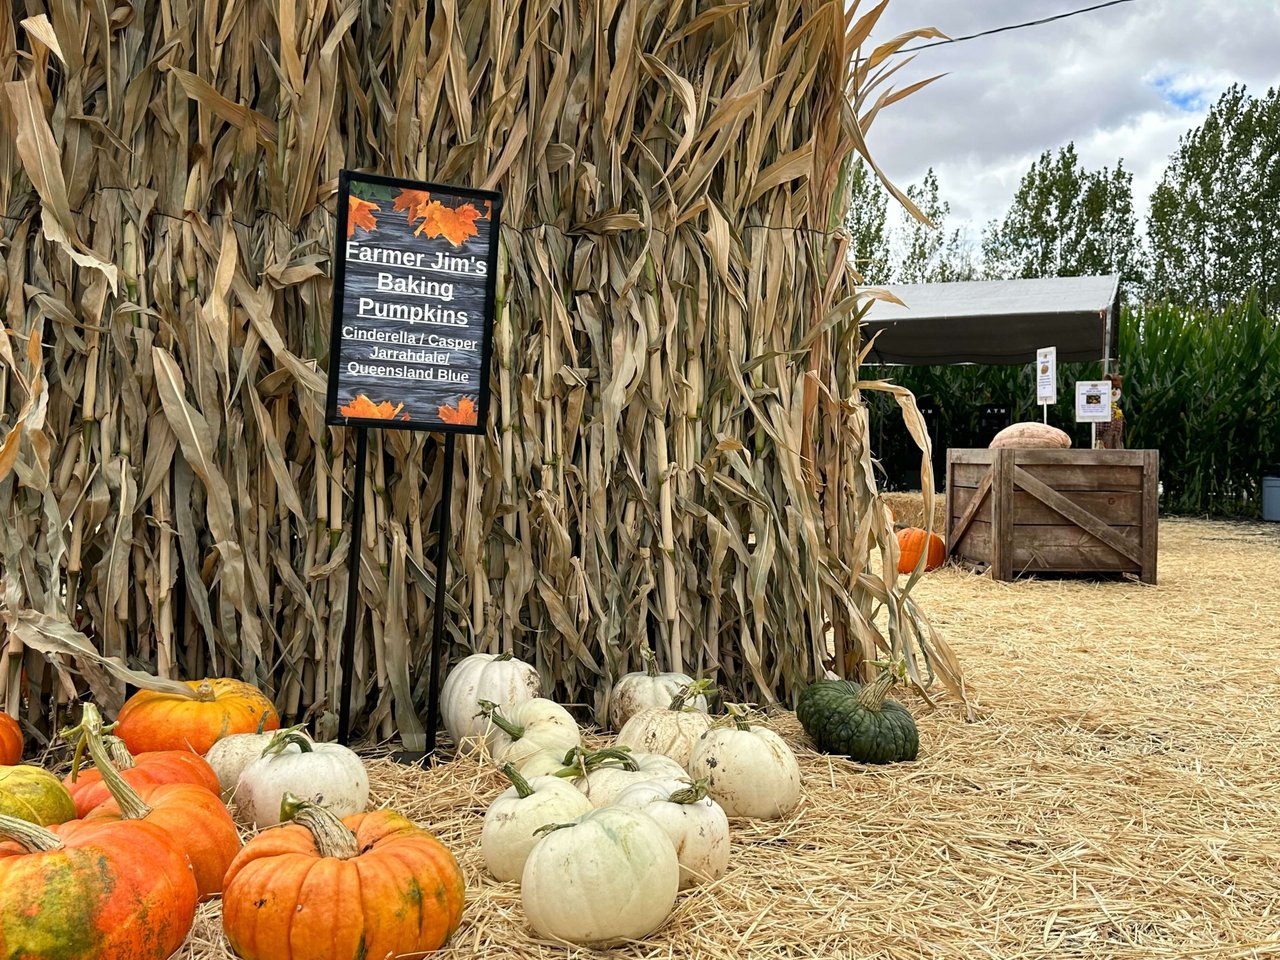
(511, 822)
(498, 678)
(609, 772)
(750, 771)
(672, 730)
(696, 825)
(529, 728)
(613, 875)
(326, 774)
(230, 755)
(648, 688)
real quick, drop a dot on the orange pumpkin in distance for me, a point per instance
(151, 721)
(10, 741)
(911, 542)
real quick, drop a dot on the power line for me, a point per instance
(1015, 26)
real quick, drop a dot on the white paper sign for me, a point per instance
(1047, 375)
(1093, 401)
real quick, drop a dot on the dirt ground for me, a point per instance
(1117, 795)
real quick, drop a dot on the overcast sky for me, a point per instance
(1125, 81)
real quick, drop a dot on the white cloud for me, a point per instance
(1122, 82)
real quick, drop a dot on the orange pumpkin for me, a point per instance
(151, 721)
(93, 891)
(10, 741)
(194, 817)
(144, 770)
(911, 542)
(372, 885)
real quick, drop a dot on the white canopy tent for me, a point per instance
(995, 321)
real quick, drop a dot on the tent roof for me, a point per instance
(994, 321)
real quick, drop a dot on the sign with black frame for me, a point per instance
(415, 275)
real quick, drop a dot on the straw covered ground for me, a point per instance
(1116, 796)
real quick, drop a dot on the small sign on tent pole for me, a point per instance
(1046, 378)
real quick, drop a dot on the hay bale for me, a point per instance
(908, 509)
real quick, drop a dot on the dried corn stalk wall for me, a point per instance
(678, 455)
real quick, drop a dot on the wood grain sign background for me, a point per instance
(414, 279)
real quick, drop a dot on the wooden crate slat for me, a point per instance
(1081, 517)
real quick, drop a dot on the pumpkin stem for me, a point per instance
(205, 692)
(517, 781)
(692, 793)
(262, 721)
(650, 661)
(331, 836)
(287, 736)
(739, 716)
(609, 757)
(690, 691)
(120, 756)
(873, 694)
(490, 710)
(500, 658)
(29, 836)
(91, 739)
(574, 764)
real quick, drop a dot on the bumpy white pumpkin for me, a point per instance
(613, 875)
(696, 825)
(230, 755)
(498, 678)
(609, 772)
(530, 728)
(672, 730)
(750, 771)
(511, 822)
(648, 688)
(326, 774)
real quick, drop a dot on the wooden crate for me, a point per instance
(1064, 511)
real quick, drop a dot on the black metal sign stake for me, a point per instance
(353, 587)
(437, 615)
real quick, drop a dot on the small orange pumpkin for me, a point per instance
(151, 721)
(372, 884)
(191, 815)
(911, 542)
(144, 770)
(10, 741)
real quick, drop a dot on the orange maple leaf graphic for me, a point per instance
(362, 408)
(434, 219)
(488, 210)
(458, 224)
(360, 214)
(430, 227)
(412, 203)
(464, 414)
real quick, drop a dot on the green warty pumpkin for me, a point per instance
(858, 721)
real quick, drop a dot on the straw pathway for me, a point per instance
(1116, 797)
